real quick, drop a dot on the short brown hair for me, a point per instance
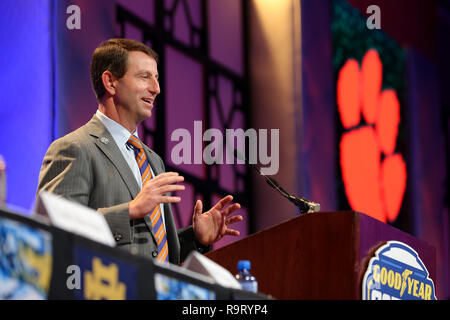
(112, 55)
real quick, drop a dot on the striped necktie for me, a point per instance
(155, 215)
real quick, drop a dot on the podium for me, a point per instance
(321, 255)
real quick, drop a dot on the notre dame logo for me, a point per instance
(103, 282)
(100, 283)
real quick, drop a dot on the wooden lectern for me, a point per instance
(317, 256)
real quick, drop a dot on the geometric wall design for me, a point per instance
(203, 85)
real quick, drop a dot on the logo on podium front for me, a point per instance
(397, 273)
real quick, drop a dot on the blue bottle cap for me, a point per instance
(243, 264)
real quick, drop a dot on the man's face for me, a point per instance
(137, 89)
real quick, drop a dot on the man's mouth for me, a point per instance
(149, 101)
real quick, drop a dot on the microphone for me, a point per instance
(305, 205)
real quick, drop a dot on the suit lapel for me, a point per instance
(106, 143)
(154, 161)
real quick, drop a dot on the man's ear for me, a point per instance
(109, 82)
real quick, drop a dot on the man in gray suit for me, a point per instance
(96, 166)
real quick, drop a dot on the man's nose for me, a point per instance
(154, 86)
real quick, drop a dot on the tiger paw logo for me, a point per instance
(374, 174)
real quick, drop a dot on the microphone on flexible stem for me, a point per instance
(302, 203)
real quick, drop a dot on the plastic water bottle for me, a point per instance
(247, 281)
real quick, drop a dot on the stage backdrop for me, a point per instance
(26, 94)
(288, 65)
(376, 99)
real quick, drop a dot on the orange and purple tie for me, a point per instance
(155, 216)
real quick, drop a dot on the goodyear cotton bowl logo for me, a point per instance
(397, 273)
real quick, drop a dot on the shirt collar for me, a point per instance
(118, 132)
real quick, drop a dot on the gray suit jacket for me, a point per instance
(86, 166)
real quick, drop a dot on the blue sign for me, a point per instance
(26, 258)
(104, 277)
(397, 273)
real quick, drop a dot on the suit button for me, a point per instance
(154, 254)
(117, 237)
